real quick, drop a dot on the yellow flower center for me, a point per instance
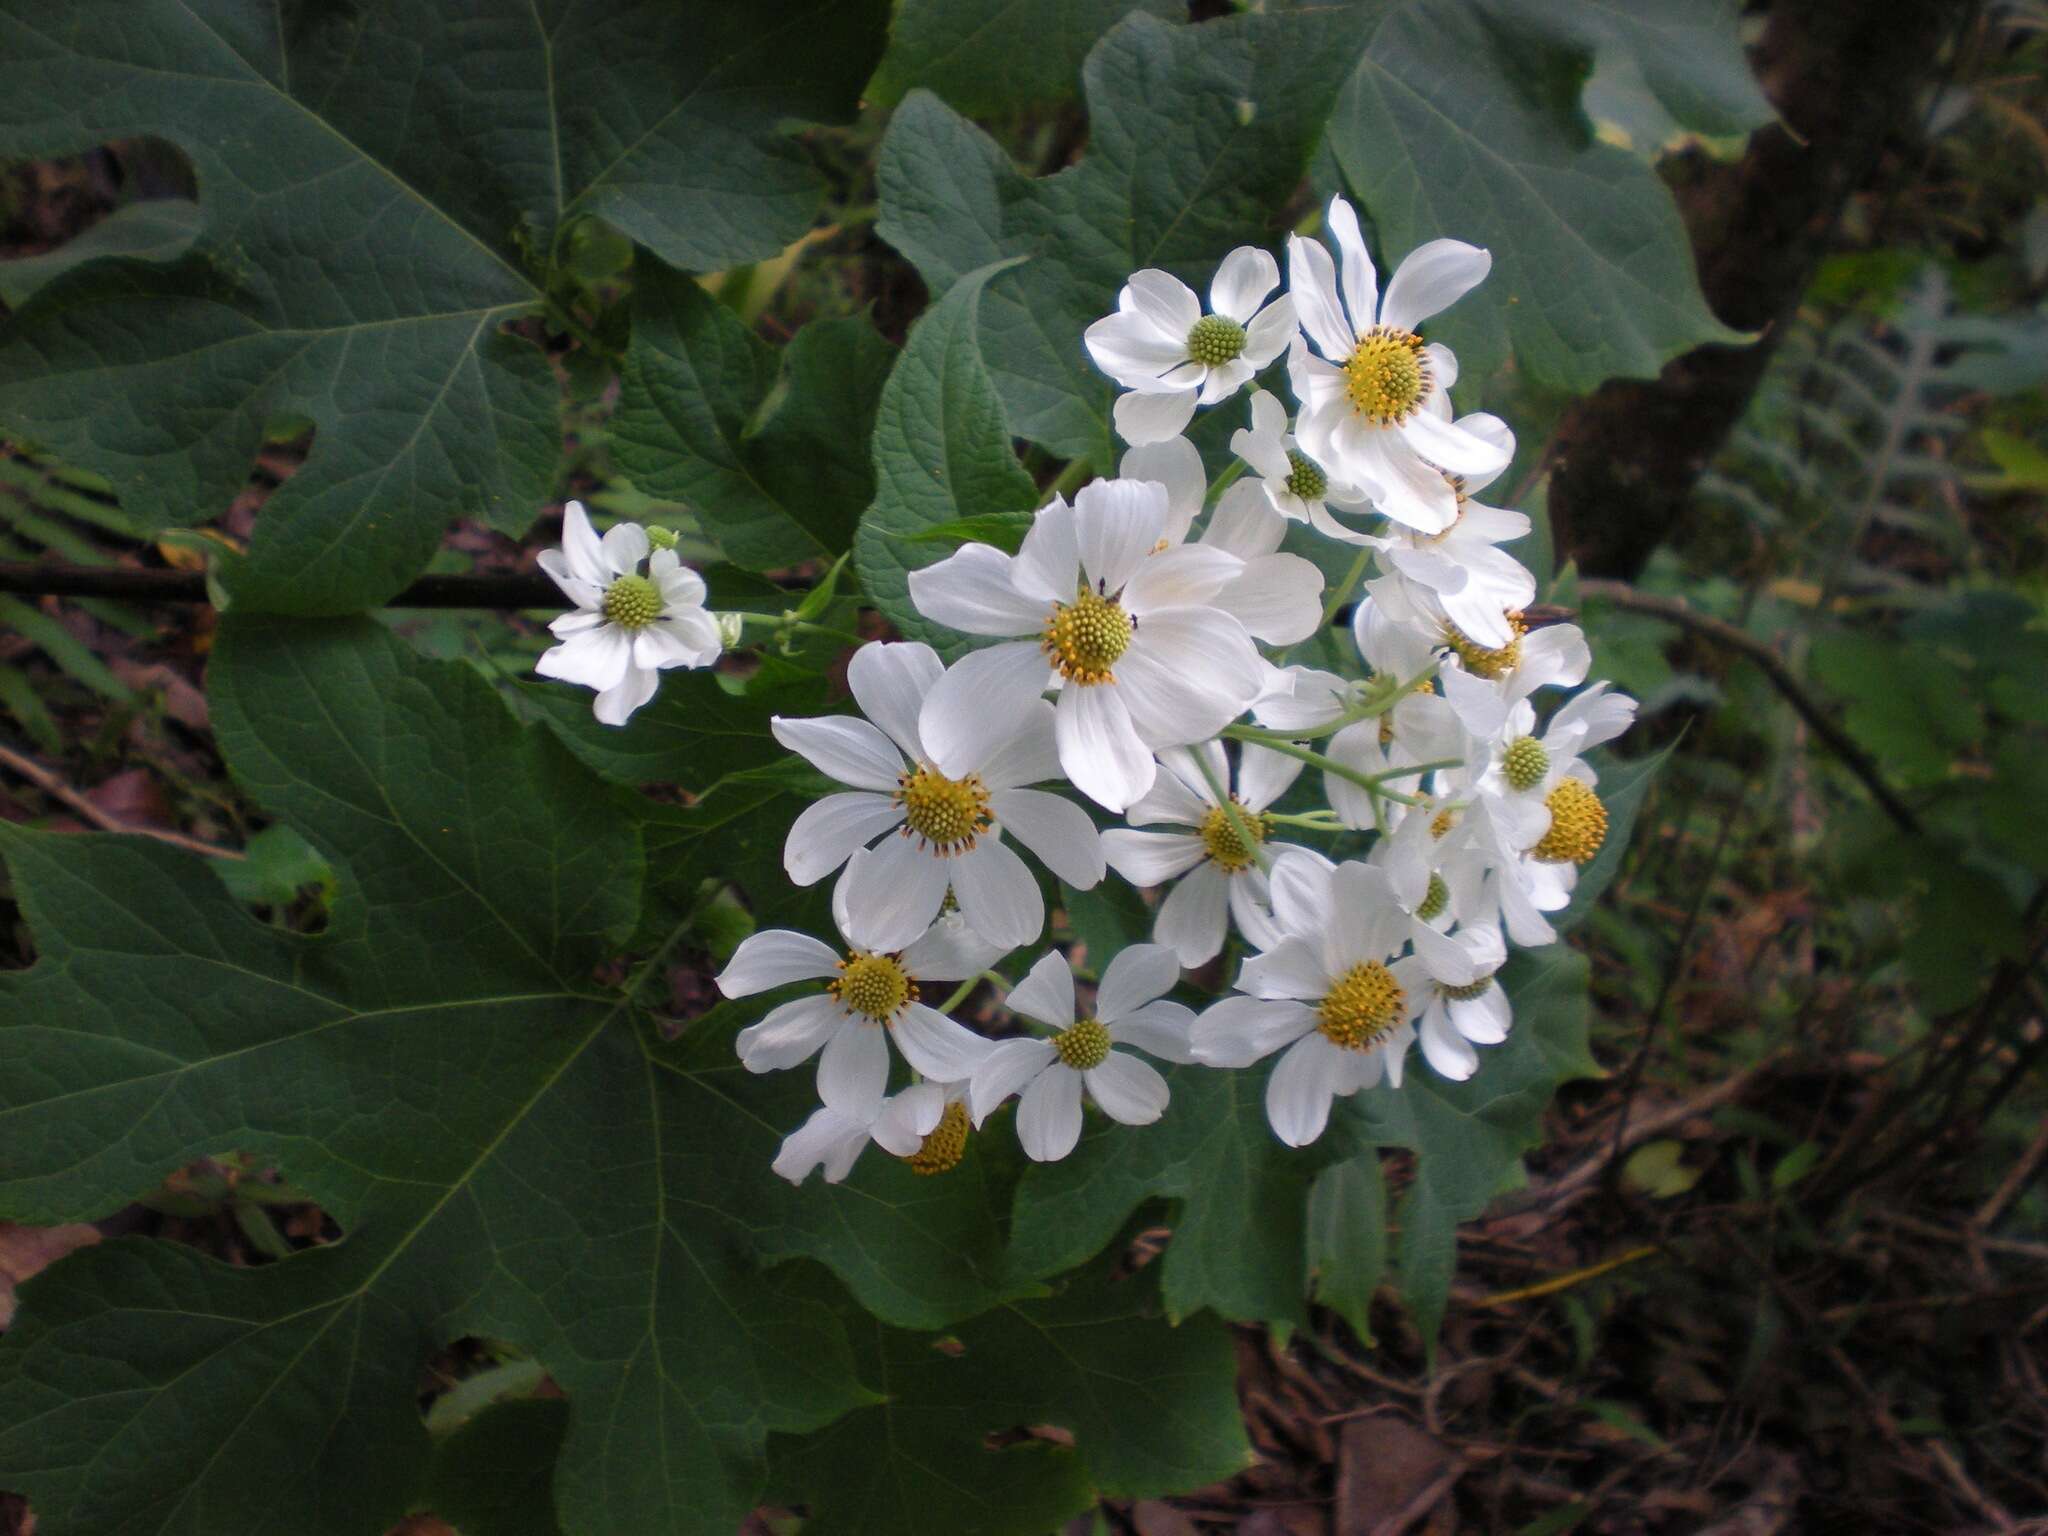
(1084, 638)
(1225, 846)
(874, 985)
(945, 1145)
(1525, 763)
(632, 602)
(1386, 375)
(1578, 824)
(1215, 340)
(1441, 823)
(1481, 661)
(1084, 1046)
(1362, 1008)
(949, 814)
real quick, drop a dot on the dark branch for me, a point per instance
(129, 584)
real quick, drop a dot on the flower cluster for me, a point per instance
(1136, 635)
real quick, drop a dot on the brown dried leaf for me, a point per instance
(25, 1251)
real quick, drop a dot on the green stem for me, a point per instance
(1220, 793)
(1223, 482)
(1368, 782)
(1070, 478)
(960, 992)
(783, 623)
(1339, 594)
(1369, 710)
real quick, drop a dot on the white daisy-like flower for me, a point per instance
(1329, 995)
(1518, 759)
(626, 627)
(1172, 357)
(1462, 1004)
(1144, 658)
(1484, 685)
(925, 1125)
(1536, 845)
(1217, 872)
(1366, 415)
(947, 821)
(1419, 728)
(1304, 699)
(1277, 598)
(1130, 1010)
(1293, 484)
(869, 998)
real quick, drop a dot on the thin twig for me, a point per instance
(1676, 611)
(56, 788)
(2016, 1179)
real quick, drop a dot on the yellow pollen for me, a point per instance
(1083, 1047)
(1466, 993)
(945, 1145)
(1441, 823)
(632, 602)
(1084, 638)
(949, 814)
(1362, 1008)
(1478, 659)
(874, 985)
(1578, 824)
(1220, 840)
(1386, 375)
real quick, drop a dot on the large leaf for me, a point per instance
(1197, 138)
(381, 190)
(1463, 119)
(510, 1151)
(777, 475)
(987, 56)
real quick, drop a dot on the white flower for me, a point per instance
(1329, 993)
(949, 821)
(1419, 728)
(1277, 598)
(869, 998)
(1051, 1074)
(1219, 876)
(1484, 686)
(911, 1125)
(1303, 699)
(1519, 760)
(1161, 347)
(1366, 415)
(1145, 659)
(1462, 1004)
(626, 627)
(1293, 484)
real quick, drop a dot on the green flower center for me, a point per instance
(1434, 900)
(1084, 638)
(1084, 1046)
(1305, 478)
(1526, 762)
(874, 985)
(1467, 992)
(632, 602)
(1222, 842)
(1578, 824)
(947, 813)
(945, 1145)
(1386, 375)
(1362, 1008)
(1215, 340)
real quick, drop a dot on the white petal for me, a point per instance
(1142, 418)
(1242, 282)
(1031, 756)
(584, 594)
(625, 546)
(1251, 908)
(843, 747)
(696, 634)
(1194, 918)
(662, 645)
(1056, 830)
(1163, 299)
(1158, 1029)
(1430, 279)
(831, 829)
(942, 1050)
(1443, 371)
(1047, 991)
(1277, 598)
(1369, 923)
(1448, 1051)
(1485, 1019)
(889, 682)
(908, 1117)
(1361, 280)
(1406, 488)
(1301, 891)
(1312, 284)
(1047, 566)
(1449, 446)
(1049, 1115)
(1262, 445)
(853, 1072)
(1099, 748)
(1292, 969)
(1127, 346)
(680, 586)
(1177, 465)
(1138, 974)
(972, 712)
(1181, 577)
(892, 896)
(1006, 1069)
(1447, 960)
(828, 1139)
(1244, 522)
(1152, 858)
(1241, 1030)
(1172, 799)
(1264, 775)
(950, 951)
(1298, 1093)
(997, 894)
(1270, 333)
(596, 658)
(582, 548)
(1116, 525)
(774, 959)
(971, 591)
(789, 1034)
(615, 705)
(1188, 673)
(1126, 1089)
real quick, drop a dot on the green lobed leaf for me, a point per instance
(159, 230)
(942, 453)
(510, 1151)
(1198, 137)
(988, 56)
(1347, 1238)
(770, 450)
(1464, 120)
(385, 205)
